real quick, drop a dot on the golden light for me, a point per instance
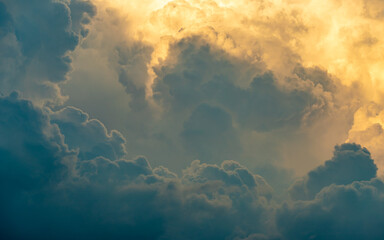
(341, 37)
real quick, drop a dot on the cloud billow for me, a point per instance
(350, 163)
(204, 74)
(352, 211)
(198, 73)
(88, 136)
(65, 175)
(37, 37)
(113, 198)
(51, 191)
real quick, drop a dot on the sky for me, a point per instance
(192, 119)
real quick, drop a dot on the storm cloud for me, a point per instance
(191, 120)
(350, 163)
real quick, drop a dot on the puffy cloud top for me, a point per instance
(209, 80)
(45, 184)
(89, 136)
(351, 211)
(350, 163)
(114, 198)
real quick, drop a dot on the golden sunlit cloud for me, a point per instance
(336, 35)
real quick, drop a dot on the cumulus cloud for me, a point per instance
(238, 85)
(352, 211)
(169, 66)
(38, 36)
(205, 74)
(114, 197)
(340, 200)
(350, 163)
(89, 136)
(32, 151)
(51, 191)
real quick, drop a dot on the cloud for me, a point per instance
(245, 66)
(204, 73)
(279, 178)
(82, 12)
(39, 36)
(259, 82)
(133, 72)
(367, 129)
(231, 173)
(261, 104)
(46, 184)
(350, 163)
(51, 191)
(89, 136)
(32, 151)
(209, 134)
(351, 211)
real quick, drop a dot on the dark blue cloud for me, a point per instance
(82, 11)
(340, 200)
(33, 158)
(89, 136)
(32, 151)
(38, 37)
(353, 211)
(350, 163)
(43, 30)
(53, 192)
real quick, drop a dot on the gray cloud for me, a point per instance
(204, 74)
(133, 72)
